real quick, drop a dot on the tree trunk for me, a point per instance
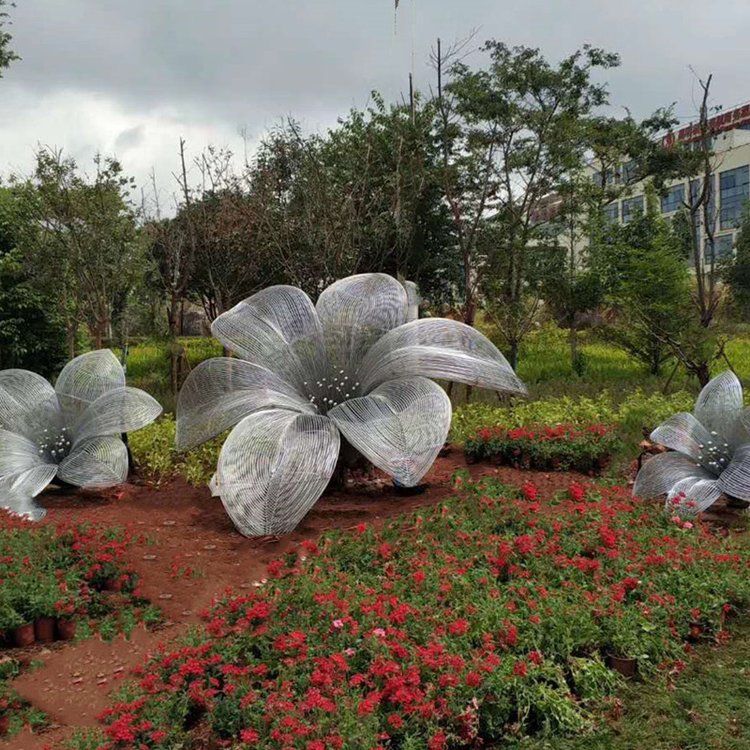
(70, 335)
(573, 340)
(513, 358)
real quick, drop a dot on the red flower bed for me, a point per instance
(454, 627)
(563, 447)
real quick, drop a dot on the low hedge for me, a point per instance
(566, 447)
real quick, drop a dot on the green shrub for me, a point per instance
(154, 450)
(586, 448)
(636, 412)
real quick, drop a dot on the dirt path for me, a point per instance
(191, 553)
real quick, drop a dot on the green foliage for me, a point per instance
(32, 335)
(79, 241)
(154, 451)
(648, 287)
(511, 132)
(738, 274)
(7, 56)
(636, 412)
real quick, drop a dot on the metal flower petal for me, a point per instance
(100, 461)
(86, 378)
(413, 300)
(693, 495)
(735, 479)
(18, 454)
(278, 329)
(355, 312)
(273, 467)
(719, 404)
(119, 410)
(659, 474)
(439, 348)
(28, 403)
(17, 491)
(220, 392)
(400, 426)
(684, 433)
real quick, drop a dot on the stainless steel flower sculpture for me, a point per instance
(71, 431)
(351, 365)
(710, 451)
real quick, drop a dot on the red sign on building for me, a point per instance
(718, 124)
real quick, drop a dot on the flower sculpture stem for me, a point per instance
(351, 370)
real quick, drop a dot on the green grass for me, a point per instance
(705, 708)
(148, 365)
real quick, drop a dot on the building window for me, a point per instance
(630, 206)
(629, 170)
(673, 199)
(723, 247)
(734, 190)
(611, 213)
(696, 186)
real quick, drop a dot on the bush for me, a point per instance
(154, 450)
(636, 412)
(494, 622)
(587, 448)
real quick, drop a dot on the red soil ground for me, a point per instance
(186, 527)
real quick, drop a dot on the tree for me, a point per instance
(737, 275)
(7, 56)
(647, 286)
(32, 336)
(695, 163)
(80, 241)
(363, 197)
(509, 133)
(624, 152)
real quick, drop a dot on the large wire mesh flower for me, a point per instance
(710, 451)
(352, 366)
(71, 431)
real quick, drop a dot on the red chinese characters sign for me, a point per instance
(717, 124)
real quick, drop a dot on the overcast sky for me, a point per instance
(131, 77)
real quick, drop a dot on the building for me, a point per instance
(730, 188)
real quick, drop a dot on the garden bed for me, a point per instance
(497, 620)
(565, 447)
(184, 549)
(57, 584)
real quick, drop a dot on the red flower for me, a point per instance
(459, 627)
(473, 679)
(529, 490)
(576, 491)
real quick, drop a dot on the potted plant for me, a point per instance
(19, 628)
(67, 608)
(625, 646)
(42, 609)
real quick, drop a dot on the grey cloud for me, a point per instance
(232, 63)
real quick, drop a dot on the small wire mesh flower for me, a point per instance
(71, 431)
(349, 366)
(710, 451)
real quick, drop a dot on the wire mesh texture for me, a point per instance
(354, 364)
(70, 431)
(709, 451)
